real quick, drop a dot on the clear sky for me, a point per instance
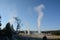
(25, 10)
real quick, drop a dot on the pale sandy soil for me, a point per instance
(41, 36)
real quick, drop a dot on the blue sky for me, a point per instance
(24, 9)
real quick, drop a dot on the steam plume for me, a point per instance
(12, 15)
(40, 15)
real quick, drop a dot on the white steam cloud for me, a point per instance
(40, 15)
(12, 15)
(8, 11)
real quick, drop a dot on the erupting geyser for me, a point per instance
(40, 15)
